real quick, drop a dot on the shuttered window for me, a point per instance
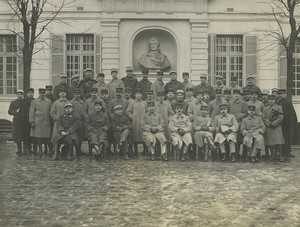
(8, 64)
(296, 65)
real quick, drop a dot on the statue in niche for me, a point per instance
(154, 59)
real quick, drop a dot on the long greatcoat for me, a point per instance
(57, 109)
(18, 126)
(39, 114)
(135, 111)
(79, 111)
(26, 110)
(166, 111)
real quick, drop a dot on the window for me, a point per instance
(229, 57)
(296, 65)
(80, 54)
(8, 64)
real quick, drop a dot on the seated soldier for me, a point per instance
(253, 128)
(226, 128)
(203, 128)
(68, 126)
(97, 124)
(180, 126)
(153, 131)
(121, 126)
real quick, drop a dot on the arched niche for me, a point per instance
(168, 46)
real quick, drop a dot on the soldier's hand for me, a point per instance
(181, 132)
(153, 130)
(63, 133)
(67, 133)
(32, 125)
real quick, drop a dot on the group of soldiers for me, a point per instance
(176, 118)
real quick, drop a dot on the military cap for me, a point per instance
(114, 70)
(203, 75)
(170, 90)
(63, 90)
(218, 76)
(88, 69)
(98, 102)
(161, 93)
(49, 87)
(227, 92)
(75, 76)
(234, 78)
(199, 92)
(128, 89)
(68, 104)
(223, 105)
(178, 105)
(204, 106)
(179, 91)
(272, 96)
(251, 107)
(150, 92)
(189, 88)
(42, 90)
(118, 107)
(63, 75)
(129, 69)
(185, 74)
(100, 75)
(218, 91)
(138, 90)
(160, 73)
(145, 71)
(250, 76)
(274, 90)
(30, 89)
(119, 89)
(236, 91)
(94, 89)
(150, 103)
(173, 71)
(20, 91)
(265, 92)
(77, 91)
(104, 91)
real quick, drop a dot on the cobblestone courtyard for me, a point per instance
(40, 192)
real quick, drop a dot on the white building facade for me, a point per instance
(225, 37)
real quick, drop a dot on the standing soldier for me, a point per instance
(101, 85)
(119, 100)
(75, 81)
(49, 94)
(227, 96)
(189, 91)
(86, 84)
(170, 96)
(259, 106)
(144, 84)
(251, 86)
(18, 125)
(89, 104)
(104, 97)
(180, 99)
(63, 85)
(149, 96)
(186, 82)
(246, 95)
(114, 84)
(158, 84)
(174, 83)
(220, 84)
(214, 105)
(194, 107)
(127, 94)
(205, 87)
(40, 121)
(28, 140)
(129, 80)
(264, 97)
(234, 85)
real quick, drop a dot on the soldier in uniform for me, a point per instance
(105, 97)
(75, 81)
(153, 131)
(205, 87)
(63, 85)
(119, 100)
(101, 85)
(180, 99)
(226, 130)
(214, 105)
(114, 84)
(220, 84)
(170, 96)
(86, 84)
(144, 84)
(174, 83)
(158, 84)
(18, 124)
(130, 81)
(246, 95)
(189, 92)
(180, 126)
(259, 106)
(227, 96)
(264, 97)
(40, 120)
(253, 128)
(89, 104)
(68, 125)
(127, 94)
(234, 85)
(251, 86)
(49, 94)
(186, 82)
(194, 107)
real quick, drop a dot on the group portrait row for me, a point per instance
(170, 120)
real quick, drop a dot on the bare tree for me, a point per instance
(286, 11)
(34, 21)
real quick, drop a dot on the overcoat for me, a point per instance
(15, 109)
(166, 111)
(57, 109)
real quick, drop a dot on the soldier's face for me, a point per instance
(145, 75)
(104, 96)
(76, 95)
(42, 94)
(30, 94)
(94, 94)
(129, 73)
(206, 96)
(48, 92)
(224, 110)
(153, 45)
(178, 110)
(276, 94)
(185, 78)
(189, 93)
(151, 108)
(173, 76)
(199, 97)
(219, 81)
(203, 80)
(62, 94)
(114, 75)
(118, 112)
(88, 74)
(100, 79)
(98, 107)
(149, 96)
(233, 83)
(127, 95)
(69, 109)
(236, 96)
(160, 98)
(180, 96)
(250, 81)
(271, 101)
(218, 96)
(227, 97)
(251, 112)
(63, 80)
(160, 77)
(20, 95)
(170, 95)
(119, 94)
(204, 111)
(254, 96)
(138, 95)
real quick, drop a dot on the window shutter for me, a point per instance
(97, 53)
(211, 58)
(250, 56)
(20, 61)
(282, 65)
(57, 58)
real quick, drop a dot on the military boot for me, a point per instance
(233, 157)
(223, 156)
(55, 157)
(280, 153)
(206, 152)
(183, 158)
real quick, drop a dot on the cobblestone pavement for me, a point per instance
(40, 192)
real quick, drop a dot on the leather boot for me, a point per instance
(206, 151)
(280, 153)
(272, 153)
(152, 157)
(19, 147)
(233, 157)
(183, 157)
(55, 157)
(223, 156)
(164, 157)
(176, 152)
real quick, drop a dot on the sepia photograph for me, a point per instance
(149, 113)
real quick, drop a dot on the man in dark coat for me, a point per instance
(86, 84)
(63, 85)
(48, 93)
(205, 87)
(251, 86)
(144, 84)
(174, 83)
(15, 109)
(130, 81)
(290, 126)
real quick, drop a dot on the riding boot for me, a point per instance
(176, 152)
(272, 153)
(55, 157)
(124, 151)
(206, 152)
(70, 151)
(280, 153)
(19, 147)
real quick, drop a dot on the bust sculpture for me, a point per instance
(154, 59)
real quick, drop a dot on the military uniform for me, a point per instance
(130, 81)
(166, 111)
(157, 86)
(60, 87)
(113, 85)
(85, 86)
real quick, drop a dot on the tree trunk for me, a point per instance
(290, 74)
(27, 59)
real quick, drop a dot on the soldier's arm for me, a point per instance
(235, 124)
(53, 112)
(145, 126)
(129, 111)
(161, 125)
(75, 126)
(172, 126)
(188, 125)
(279, 118)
